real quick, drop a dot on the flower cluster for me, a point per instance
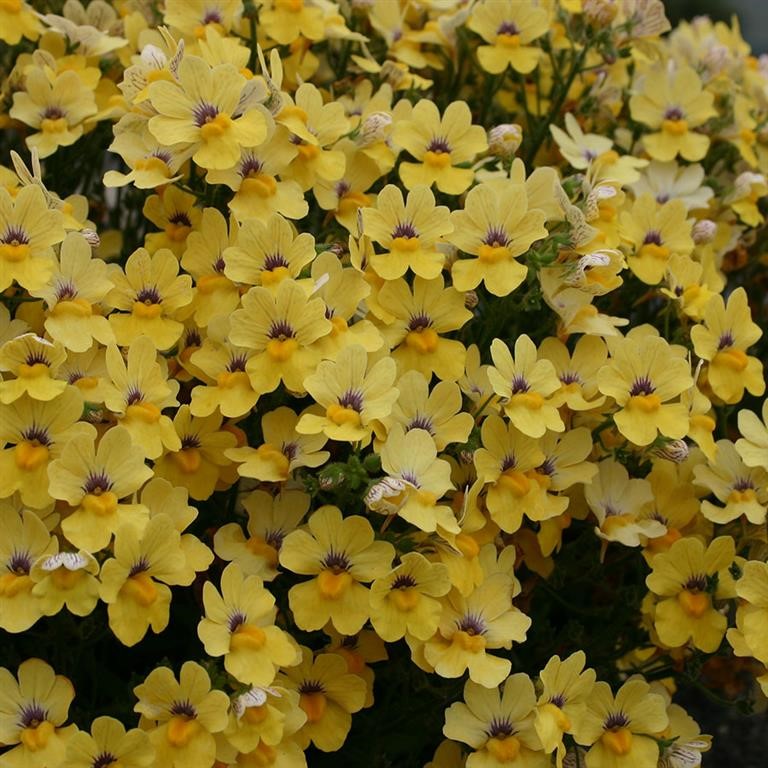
(362, 346)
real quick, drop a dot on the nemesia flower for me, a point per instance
(94, 480)
(619, 730)
(748, 637)
(25, 539)
(204, 110)
(153, 292)
(239, 624)
(35, 363)
(408, 230)
(270, 519)
(404, 601)
(439, 144)
(496, 227)
(753, 446)
(133, 582)
(340, 553)
(175, 213)
(34, 433)
(18, 20)
(525, 383)
(471, 626)
(352, 393)
(508, 27)
(722, 339)
(682, 578)
(33, 710)
(108, 736)
(328, 694)
(66, 579)
(187, 713)
(28, 229)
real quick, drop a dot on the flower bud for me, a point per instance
(375, 128)
(600, 13)
(471, 300)
(673, 450)
(504, 140)
(91, 237)
(704, 231)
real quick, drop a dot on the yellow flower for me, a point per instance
(109, 739)
(66, 578)
(138, 391)
(187, 713)
(672, 102)
(328, 694)
(78, 284)
(655, 232)
(642, 376)
(199, 462)
(17, 20)
(57, 105)
(722, 339)
(682, 578)
(270, 519)
(439, 144)
(34, 433)
(282, 451)
(438, 412)
(315, 128)
(282, 328)
(526, 384)
(742, 489)
(619, 731)
(578, 371)
(352, 393)
(287, 20)
(204, 260)
(239, 624)
(498, 727)
(211, 110)
(685, 278)
(174, 211)
(35, 362)
(408, 231)
(749, 638)
(32, 714)
(753, 446)
(420, 315)
(258, 183)
(222, 364)
(267, 252)
(196, 18)
(152, 290)
(421, 480)
(471, 626)
(25, 538)
(566, 688)
(619, 504)
(507, 460)
(508, 26)
(152, 164)
(28, 229)
(341, 553)
(403, 601)
(495, 227)
(131, 581)
(94, 480)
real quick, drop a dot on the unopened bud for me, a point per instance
(375, 128)
(393, 73)
(471, 300)
(91, 237)
(704, 231)
(600, 13)
(504, 140)
(673, 450)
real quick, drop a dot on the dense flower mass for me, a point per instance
(381, 378)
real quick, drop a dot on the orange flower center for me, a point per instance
(491, 254)
(145, 412)
(281, 350)
(259, 547)
(101, 504)
(260, 184)
(12, 584)
(508, 41)
(515, 482)
(188, 460)
(314, 704)
(216, 127)
(644, 403)
(37, 737)
(247, 637)
(333, 584)
(140, 588)
(468, 641)
(34, 371)
(232, 380)
(675, 127)
(695, 604)
(53, 125)
(424, 340)
(405, 599)
(14, 252)
(618, 741)
(504, 749)
(147, 311)
(73, 308)
(181, 730)
(437, 159)
(732, 358)
(30, 455)
(340, 415)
